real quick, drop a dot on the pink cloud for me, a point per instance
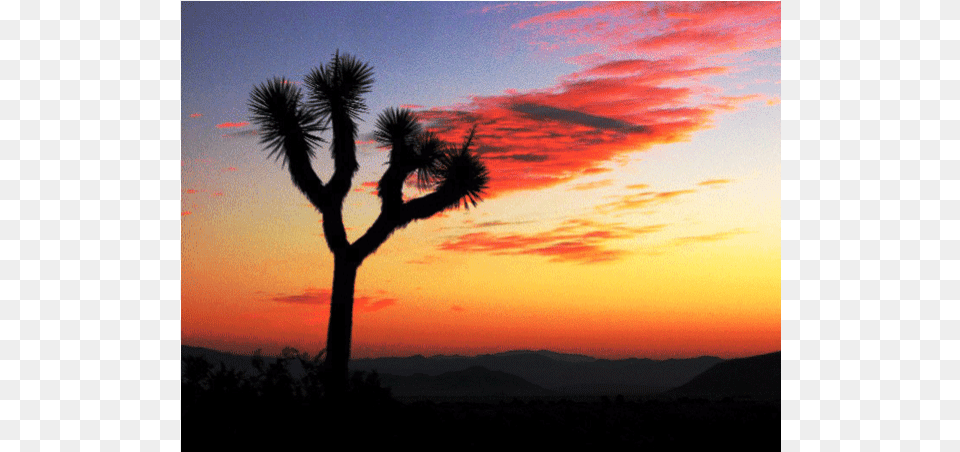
(185, 213)
(195, 115)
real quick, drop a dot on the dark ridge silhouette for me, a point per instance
(291, 125)
(572, 358)
(227, 409)
(562, 374)
(475, 381)
(755, 377)
(566, 374)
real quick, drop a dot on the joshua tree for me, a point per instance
(291, 127)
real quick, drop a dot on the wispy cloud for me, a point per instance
(195, 115)
(425, 260)
(680, 241)
(643, 199)
(227, 125)
(592, 185)
(714, 182)
(579, 241)
(315, 296)
(240, 133)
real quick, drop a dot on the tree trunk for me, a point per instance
(340, 326)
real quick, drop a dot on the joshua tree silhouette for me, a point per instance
(290, 127)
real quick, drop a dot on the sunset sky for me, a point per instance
(634, 203)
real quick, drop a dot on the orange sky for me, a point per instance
(634, 207)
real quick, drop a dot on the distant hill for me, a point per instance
(520, 372)
(756, 377)
(471, 382)
(565, 374)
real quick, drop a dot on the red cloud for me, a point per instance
(370, 184)
(412, 106)
(579, 241)
(652, 93)
(226, 125)
(361, 142)
(191, 191)
(185, 213)
(195, 115)
(314, 296)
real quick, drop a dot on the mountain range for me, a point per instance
(528, 373)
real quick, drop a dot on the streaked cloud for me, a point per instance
(680, 241)
(592, 185)
(714, 182)
(315, 296)
(578, 241)
(195, 115)
(640, 200)
(425, 260)
(240, 133)
(227, 125)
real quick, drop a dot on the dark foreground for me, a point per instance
(225, 410)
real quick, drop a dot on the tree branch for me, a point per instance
(389, 221)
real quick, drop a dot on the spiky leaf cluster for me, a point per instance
(339, 87)
(397, 127)
(461, 172)
(455, 170)
(288, 127)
